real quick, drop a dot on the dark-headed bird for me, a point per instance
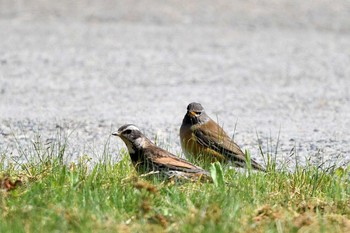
(201, 136)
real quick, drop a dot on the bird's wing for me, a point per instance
(169, 161)
(163, 158)
(214, 137)
(217, 140)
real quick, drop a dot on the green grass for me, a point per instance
(108, 196)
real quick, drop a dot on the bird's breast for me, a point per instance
(189, 143)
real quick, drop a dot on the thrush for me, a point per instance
(146, 157)
(201, 136)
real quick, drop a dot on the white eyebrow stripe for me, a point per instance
(131, 127)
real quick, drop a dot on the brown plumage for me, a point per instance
(201, 136)
(148, 158)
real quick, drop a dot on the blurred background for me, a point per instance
(274, 73)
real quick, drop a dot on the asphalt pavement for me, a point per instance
(273, 73)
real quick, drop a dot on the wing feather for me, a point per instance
(220, 144)
(217, 140)
(163, 159)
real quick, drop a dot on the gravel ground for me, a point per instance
(279, 69)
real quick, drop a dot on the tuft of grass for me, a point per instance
(108, 196)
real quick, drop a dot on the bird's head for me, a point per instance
(132, 137)
(196, 113)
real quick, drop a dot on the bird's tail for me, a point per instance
(243, 160)
(257, 166)
(244, 164)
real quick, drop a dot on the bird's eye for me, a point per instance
(198, 113)
(127, 131)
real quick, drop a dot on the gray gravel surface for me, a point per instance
(276, 69)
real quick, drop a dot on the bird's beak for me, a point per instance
(116, 134)
(192, 113)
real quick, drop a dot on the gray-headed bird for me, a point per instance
(201, 136)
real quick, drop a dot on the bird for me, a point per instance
(202, 137)
(148, 158)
